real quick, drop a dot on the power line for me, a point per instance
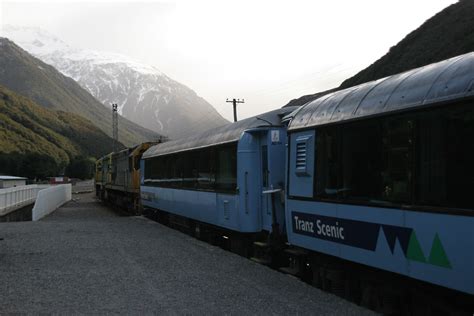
(234, 102)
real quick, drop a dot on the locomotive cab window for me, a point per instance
(130, 163)
(136, 162)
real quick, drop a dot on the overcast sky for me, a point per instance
(267, 52)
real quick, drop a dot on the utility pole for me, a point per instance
(115, 126)
(234, 102)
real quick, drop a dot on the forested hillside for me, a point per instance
(37, 142)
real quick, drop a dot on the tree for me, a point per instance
(81, 167)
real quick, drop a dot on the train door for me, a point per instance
(226, 185)
(266, 205)
(249, 187)
(272, 159)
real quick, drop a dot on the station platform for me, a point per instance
(84, 258)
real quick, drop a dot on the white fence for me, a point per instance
(14, 198)
(50, 199)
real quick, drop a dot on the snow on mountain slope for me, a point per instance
(144, 95)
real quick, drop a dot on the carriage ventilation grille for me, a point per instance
(301, 156)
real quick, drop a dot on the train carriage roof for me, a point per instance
(221, 135)
(437, 83)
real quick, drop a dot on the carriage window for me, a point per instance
(226, 177)
(204, 169)
(189, 169)
(173, 174)
(365, 161)
(349, 162)
(424, 158)
(445, 169)
(397, 159)
(460, 156)
(362, 162)
(328, 165)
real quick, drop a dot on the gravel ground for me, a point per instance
(86, 259)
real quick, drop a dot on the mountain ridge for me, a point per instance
(42, 83)
(143, 93)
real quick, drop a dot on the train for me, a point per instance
(364, 192)
(117, 177)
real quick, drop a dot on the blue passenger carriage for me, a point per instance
(221, 177)
(382, 174)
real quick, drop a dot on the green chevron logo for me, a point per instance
(437, 254)
(414, 252)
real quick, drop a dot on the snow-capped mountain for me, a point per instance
(144, 95)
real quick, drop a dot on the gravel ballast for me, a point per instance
(84, 258)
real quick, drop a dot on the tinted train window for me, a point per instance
(328, 143)
(445, 151)
(226, 177)
(206, 176)
(347, 163)
(423, 158)
(213, 168)
(171, 170)
(189, 169)
(397, 159)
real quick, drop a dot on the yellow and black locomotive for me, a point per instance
(117, 177)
